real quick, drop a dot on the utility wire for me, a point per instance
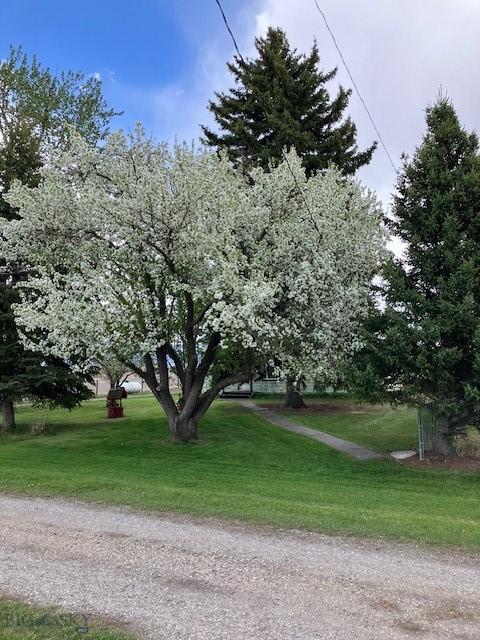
(230, 31)
(322, 13)
(268, 116)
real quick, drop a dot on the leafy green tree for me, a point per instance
(423, 347)
(37, 109)
(280, 100)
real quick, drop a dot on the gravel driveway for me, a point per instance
(174, 577)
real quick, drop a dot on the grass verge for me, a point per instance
(241, 468)
(21, 622)
(381, 428)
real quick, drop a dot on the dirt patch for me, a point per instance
(387, 605)
(410, 626)
(452, 463)
(193, 584)
(314, 408)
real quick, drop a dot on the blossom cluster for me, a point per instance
(120, 238)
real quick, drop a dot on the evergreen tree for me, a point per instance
(280, 100)
(423, 347)
(36, 111)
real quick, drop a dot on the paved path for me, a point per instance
(345, 446)
(178, 578)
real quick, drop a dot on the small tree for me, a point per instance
(280, 100)
(423, 347)
(114, 370)
(37, 109)
(178, 256)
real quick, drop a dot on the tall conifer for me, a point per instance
(281, 100)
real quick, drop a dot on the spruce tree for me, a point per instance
(36, 111)
(280, 100)
(423, 347)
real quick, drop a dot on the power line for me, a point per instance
(322, 13)
(268, 116)
(229, 30)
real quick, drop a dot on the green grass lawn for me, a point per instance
(21, 622)
(378, 427)
(242, 468)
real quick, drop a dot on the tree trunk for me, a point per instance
(8, 415)
(294, 399)
(184, 430)
(442, 438)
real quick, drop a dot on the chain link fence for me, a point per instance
(427, 430)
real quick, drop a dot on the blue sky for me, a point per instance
(151, 54)
(161, 60)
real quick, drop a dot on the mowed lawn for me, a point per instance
(378, 427)
(21, 622)
(242, 468)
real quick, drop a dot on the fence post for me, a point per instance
(421, 435)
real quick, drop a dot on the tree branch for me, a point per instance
(191, 346)
(209, 396)
(202, 314)
(163, 389)
(179, 369)
(140, 372)
(151, 377)
(209, 355)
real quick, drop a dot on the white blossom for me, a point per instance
(120, 238)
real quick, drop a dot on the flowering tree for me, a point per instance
(177, 256)
(115, 371)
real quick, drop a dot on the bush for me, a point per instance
(469, 444)
(41, 428)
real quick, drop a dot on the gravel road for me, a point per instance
(172, 577)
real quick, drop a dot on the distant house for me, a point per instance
(262, 386)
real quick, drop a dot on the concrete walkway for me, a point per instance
(345, 446)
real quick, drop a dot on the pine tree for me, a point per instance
(423, 348)
(36, 111)
(280, 100)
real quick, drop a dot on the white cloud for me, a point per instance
(262, 21)
(400, 54)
